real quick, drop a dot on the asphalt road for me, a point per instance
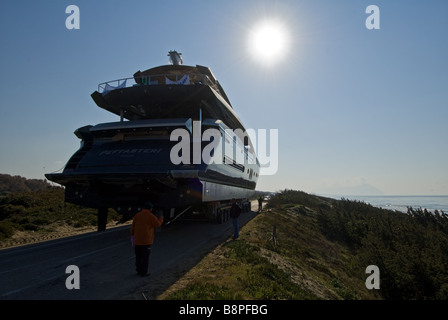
(106, 262)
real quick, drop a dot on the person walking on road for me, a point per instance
(235, 212)
(260, 203)
(142, 236)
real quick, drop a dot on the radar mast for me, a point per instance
(175, 58)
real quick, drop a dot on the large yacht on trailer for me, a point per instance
(121, 165)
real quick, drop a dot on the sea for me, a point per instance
(401, 203)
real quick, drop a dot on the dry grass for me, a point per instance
(53, 231)
(300, 264)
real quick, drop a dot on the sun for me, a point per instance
(268, 42)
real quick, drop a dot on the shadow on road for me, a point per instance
(180, 249)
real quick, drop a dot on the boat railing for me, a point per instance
(155, 79)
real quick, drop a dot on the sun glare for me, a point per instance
(268, 42)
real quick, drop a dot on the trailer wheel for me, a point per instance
(102, 218)
(218, 216)
(223, 216)
(211, 212)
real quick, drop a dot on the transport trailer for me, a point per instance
(178, 143)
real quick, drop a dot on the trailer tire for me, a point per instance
(218, 216)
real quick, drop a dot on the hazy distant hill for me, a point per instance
(10, 184)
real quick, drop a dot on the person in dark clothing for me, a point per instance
(260, 203)
(235, 212)
(142, 236)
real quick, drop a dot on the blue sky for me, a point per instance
(357, 111)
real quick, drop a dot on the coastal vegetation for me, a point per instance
(34, 206)
(308, 247)
(410, 249)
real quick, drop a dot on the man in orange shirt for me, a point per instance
(142, 236)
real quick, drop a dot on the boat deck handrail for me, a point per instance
(155, 79)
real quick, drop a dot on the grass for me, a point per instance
(42, 212)
(246, 275)
(301, 265)
(311, 247)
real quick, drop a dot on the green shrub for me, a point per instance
(6, 229)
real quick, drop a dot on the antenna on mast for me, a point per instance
(175, 58)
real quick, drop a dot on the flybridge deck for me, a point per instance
(172, 91)
(168, 74)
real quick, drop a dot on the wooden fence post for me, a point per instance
(274, 236)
